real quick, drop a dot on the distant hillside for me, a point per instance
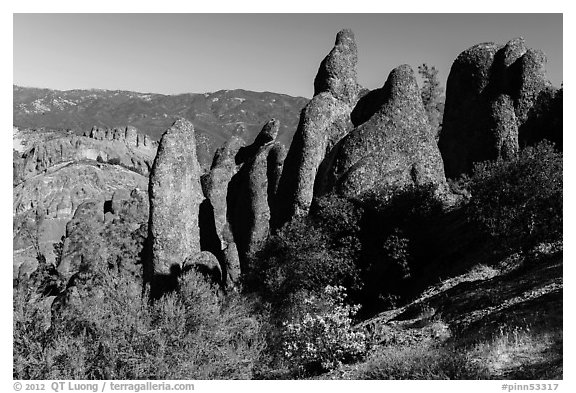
(215, 115)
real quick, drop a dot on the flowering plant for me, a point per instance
(323, 337)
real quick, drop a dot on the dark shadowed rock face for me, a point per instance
(545, 119)
(463, 139)
(239, 190)
(323, 122)
(220, 195)
(532, 80)
(395, 147)
(367, 106)
(257, 183)
(175, 197)
(478, 119)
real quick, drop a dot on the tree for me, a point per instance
(432, 94)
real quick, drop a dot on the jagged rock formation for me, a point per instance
(214, 213)
(323, 122)
(128, 135)
(175, 197)
(240, 190)
(394, 148)
(45, 154)
(256, 184)
(490, 93)
(43, 204)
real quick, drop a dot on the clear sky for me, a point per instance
(180, 53)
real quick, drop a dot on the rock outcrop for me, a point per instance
(84, 245)
(220, 195)
(128, 135)
(43, 204)
(394, 148)
(71, 148)
(323, 122)
(256, 184)
(490, 96)
(240, 190)
(175, 197)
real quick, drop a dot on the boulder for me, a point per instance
(175, 196)
(206, 263)
(394, 148)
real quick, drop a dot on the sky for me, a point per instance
(197, 53)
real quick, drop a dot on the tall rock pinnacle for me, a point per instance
(323, 122)
(175, 197)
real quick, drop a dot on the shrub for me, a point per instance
(114, 161)
(321, 337)
(520, 201)
(301, 256)
(106, 330)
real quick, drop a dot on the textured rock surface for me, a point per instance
(48, 153)
(504, 127)
(240, 188)
(545, 119)
(478, 119)
(217, 234)
(532, 80)
(395, 147)
(337, 72)
(206, 263)
(463, 139)
(84, 245)
(175, 197)
(257, 182)
(323, 122)
(43, 204)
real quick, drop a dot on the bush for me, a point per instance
(301, 256)
(519, 201)
(321, 337)
(106, 330)
(114, 161)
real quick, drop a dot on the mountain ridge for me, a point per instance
(215, 115)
